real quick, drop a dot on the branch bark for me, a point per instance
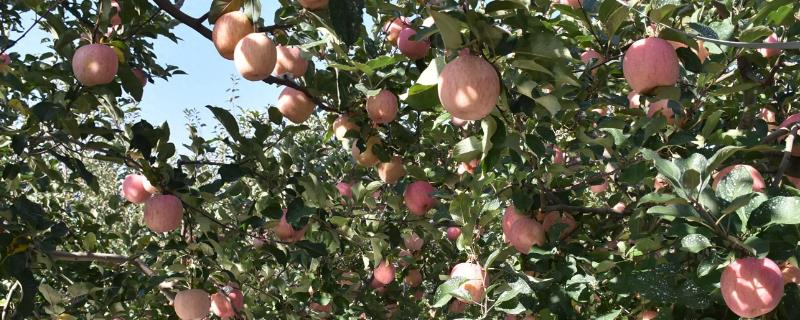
(787, 157)
(578, 209)
(184, 18)
(110, 258)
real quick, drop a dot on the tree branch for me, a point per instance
(273, 28)
(110, 258)
(100, 257)
(8, 299)
(583, 209)
(293, 85)
(24, 34)
(184, 18)
(787, 156)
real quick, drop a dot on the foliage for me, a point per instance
(65, 148)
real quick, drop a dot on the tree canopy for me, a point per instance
(426, 159)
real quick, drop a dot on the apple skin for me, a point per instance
(650, 63)
(469, 87)
(95, 64)
(752, 287)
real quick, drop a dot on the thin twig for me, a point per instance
(8, 299)
(275, 27)
(116, 259)
(787, 156)
(184, 18)
(24, 34)
(578, 209)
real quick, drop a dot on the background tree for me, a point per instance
(440, 159)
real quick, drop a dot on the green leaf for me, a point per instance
(230, 172)
(690, 60)
(738, 87)
(723, 29)
(655, 197)
(51, 295)
(421, 97)
(221, 7)
(297, 210)
(347, 19)
(737, 183)
(228, 122)
(543, 44)
(777, 210)
(549, 102)
(690, 179)
(610, 316)
(711, 123)
(676, 210)
(252, 8)
(444, 291)
(721, 156)
(530, 64)
(661, 10)
(695, 243)
(384, 61)
(754, 33)
(635, 173)
(489, 126)
(520, 286)
(130, 82)
(616, 19)
(740, 202)
(665, 167)
(703, 30)
(450, 29)
(430, 77)
(500, 5)
(467, 149)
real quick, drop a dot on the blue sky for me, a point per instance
(208, 76)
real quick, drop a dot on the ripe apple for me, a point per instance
(295, 105)
(767, 52)
(752, 287)
(394, 27)
(418, 197)
(228, 30)
(414, 50)
(469, 87)
(163, 213)
(192, 304)
(290, 62)
(95, 64)
(384, 273)
(382, 108)
(650, 63)
(478, 279)
(133, 188)
(453, 233)
(255, 56)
